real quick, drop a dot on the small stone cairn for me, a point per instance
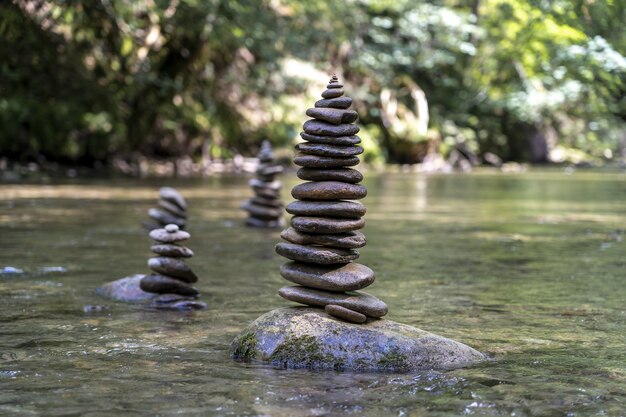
(172, 209)
(265, 209)
(172, 276)
(324, 236)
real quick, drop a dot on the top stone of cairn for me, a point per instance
(322, 241)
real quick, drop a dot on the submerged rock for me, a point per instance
(125, 289)
(301, 337)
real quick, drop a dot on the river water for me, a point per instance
(529, 268)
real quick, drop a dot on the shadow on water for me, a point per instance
(528, 268)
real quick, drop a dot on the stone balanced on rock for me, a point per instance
(265, 209)
(172, 209)
(324, 235)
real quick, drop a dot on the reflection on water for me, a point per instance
(528, 268)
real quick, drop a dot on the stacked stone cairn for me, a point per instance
(172, 209)
(265, 209)
(323, 238)
(171, 276)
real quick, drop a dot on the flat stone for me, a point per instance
(159, 284)
(328, 190)
(308, 224)
(267, 169)
(265, 224)
(316, 254)
(345, 314)
(332, 93)
(334, 116)
(336, 103)
(318, 127)
(262, 212)
(269, 202)
(349, 277)
(125, 289)
(334, 85)
(338, 174)
(331, 140)
(172, 267)
(172, 209)
(349, 240)
(301, 337)
(360, 302)
(174, 251)
(333, 208)
(165, 217)
(173, 196)
(161, 235)
(265, 192)
(176, 302)
(256, 183)
(329, 150)
(314, 161)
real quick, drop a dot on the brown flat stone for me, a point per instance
(323, 149)
(345, 314)
(338, 174)
(165, 285)
(334, 85)
(333, 208)
(349, 240)
(318, 127)
(174, 251)
(332, 93)
(349, 277)
(334, 116)
(357, 301)
(325, 224)
(172, 208)
(336, 103)
(165, 217)
(172, 267)
(328, 190)
(262, 212)
(316, 254)
(331, 140)
(163, 236)
(315, 161)
(269, 202)
(173, 196)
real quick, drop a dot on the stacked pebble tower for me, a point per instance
(171, 274)
(172, 209)
(324, 236)
(265, 209)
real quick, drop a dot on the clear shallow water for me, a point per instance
(530, 268)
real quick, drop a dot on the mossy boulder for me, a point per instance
(303, 337)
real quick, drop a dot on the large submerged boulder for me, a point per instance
(125, 289)
(302, 337)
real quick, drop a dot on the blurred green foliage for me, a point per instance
(528, 80)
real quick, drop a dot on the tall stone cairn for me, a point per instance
(323, 238)
(172, 209)
(265, 209)
(171, 275)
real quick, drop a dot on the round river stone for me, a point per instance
(162, 285)
(161, 235)
(349, 240)
(334, 116)
(333, 208)
(328, 190)
(325, 224)
(314, 161)
(316, 254)
(338, 174)
(358, 301)
(336, 103)
(345, 314)
(349, 277)
(318, 127)
(331, 140)
(174, 251)
(329, 150)
(172, 267)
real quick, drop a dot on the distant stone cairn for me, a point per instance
(265, 209)
(172, 209)
(322, 240)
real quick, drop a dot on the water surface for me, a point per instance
(529, 268)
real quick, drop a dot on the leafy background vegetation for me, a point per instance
(527, 80)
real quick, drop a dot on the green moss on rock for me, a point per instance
(245, 347)
(394, 361)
